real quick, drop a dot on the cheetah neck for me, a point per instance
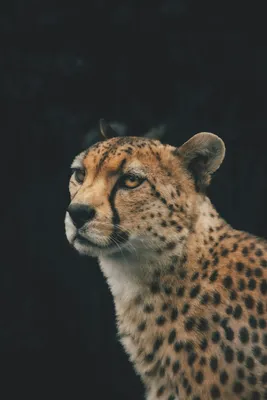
(129, 275)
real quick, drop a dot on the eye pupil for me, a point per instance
(79, 175)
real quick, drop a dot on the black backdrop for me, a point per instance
(192, 65)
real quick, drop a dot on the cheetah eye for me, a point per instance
(79, 175)
(131, 181)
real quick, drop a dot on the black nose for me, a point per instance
(80, 214)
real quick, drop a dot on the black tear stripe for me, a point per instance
(118, 234)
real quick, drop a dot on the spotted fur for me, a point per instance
(190, 291)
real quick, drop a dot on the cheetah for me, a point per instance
(190, 291)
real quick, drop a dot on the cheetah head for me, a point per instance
(133, 195)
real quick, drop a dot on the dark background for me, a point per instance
(192, 65)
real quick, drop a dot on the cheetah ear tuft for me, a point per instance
(106, 130)
(202, 156)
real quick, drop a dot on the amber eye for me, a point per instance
(79, 175)
(132, 181)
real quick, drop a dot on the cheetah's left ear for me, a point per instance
(106, 130)
(202, 156)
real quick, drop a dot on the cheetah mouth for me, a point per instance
(117, 238)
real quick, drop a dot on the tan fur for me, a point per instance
(190, 291)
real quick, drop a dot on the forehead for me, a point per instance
(111, 153)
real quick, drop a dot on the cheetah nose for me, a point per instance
(80, 214)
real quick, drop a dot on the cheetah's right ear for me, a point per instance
(106, 130)
(202, 155)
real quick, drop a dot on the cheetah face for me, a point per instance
(130, 195)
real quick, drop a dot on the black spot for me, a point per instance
(214, 364)
(223, 377)
(239, 266)
(238, 387)
(215, 337)
(178, 346)
(240, 373)
(171, 246)
(172, 336)
(250, 363)
(244, 335)
(215, 392)
(245, 251)
(229, 310)
(263, 359)
(252, 380)
(167, 290)
(216, 318)
(160, 391)
(141, 327)
(215, 261)
(216, 298)
(252, 284)
(233, 295)
(258, 253)
(174, 314)
(168, 361)
(249, 302)
(224, 322)
(149, 357)
(255, 396)
(199, 377)
(228, 354)
(202, 361)
(256, 350)
(180, 291)
(240, 356)
(253, 322)
(189, 346)
(189, 324)
(241, 285)
(162, 372)
(185, 383)
(205, 298)
(260, 308)
(254, 337)
(171, 397)
(203, 325)
(194, 291)
(258, 272)
(155, 288)
(264, 378)
(189, 390)
(175, 367)
(203, 344)
(229, 333)
(158, 343)
(195, 276)
(262, 323)
(182, 273)
(185, 308)
(164, 307)
(248, 273)
(148, 308)
(263, 286)
(224, 252)
(264, 339)
(237, 312)
(264, 263)
(205, 264)
(160, 320)
(214, 276)
(192, 358)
